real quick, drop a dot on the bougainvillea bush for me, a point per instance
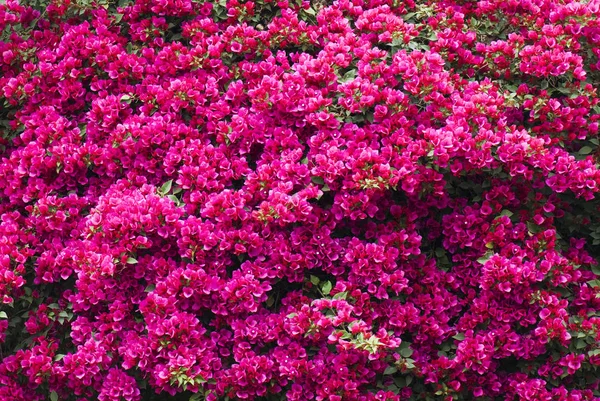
(331, 200)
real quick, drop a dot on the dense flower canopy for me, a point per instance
(349, 200)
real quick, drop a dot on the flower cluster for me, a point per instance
(342, 200)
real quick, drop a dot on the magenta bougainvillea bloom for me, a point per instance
(336, 200)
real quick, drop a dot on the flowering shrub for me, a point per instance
(293, 200)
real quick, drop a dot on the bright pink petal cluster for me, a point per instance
(345, 200)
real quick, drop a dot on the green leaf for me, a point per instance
(400, 381)
(483, 260)
(594, 283)
(596, 270)
(317, 180)
(533, 228)
(315, 280)
(586, 150)
(397, 42)
(166, 187)
(126, 98)
(406, 352)
(118, 17)
(3, 315)
(150, 288)
(53, 396)
(173, 199)
(131, 261)
(326, 288)
(459, 336)
(390, 370)
(506, 212)
(195, 397)
(341, 295)
(349, 75)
